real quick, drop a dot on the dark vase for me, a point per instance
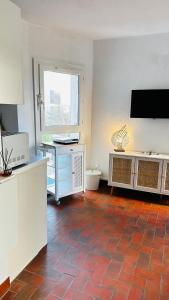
(6, 173)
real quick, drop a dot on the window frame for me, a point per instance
(62, 128)
(39, 66)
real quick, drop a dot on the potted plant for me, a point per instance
(5, 155)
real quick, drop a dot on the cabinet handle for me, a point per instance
(73, 173)
(71, 149)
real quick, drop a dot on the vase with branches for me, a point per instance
(5, 156)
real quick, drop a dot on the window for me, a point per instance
(58, 100)
(61, 99)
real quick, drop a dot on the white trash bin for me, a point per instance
(92, 179)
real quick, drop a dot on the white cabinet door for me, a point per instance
(165, 178)
(121, 171)
(148, 174)
(77, 172)
(8, 224)
(10, 54)
(64, 175)
(69, 174)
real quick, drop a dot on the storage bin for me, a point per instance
(92, 179)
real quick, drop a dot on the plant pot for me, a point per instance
(6, 173)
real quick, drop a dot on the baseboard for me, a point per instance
(4, 287)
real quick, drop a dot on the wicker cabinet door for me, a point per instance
(121, 171)
(148, 175)
(165, 178)
(77, 172)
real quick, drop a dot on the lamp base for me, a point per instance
(119, 150)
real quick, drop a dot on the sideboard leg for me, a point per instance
(111, 192)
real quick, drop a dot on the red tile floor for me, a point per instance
(100, 247)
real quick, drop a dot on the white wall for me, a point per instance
(121, 65)
(41, 42)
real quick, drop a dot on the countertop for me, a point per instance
(142, 154)
(34, 162)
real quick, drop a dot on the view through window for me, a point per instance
(61, 99)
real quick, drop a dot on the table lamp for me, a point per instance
(120, 139)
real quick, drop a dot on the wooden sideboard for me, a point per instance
(139, 171)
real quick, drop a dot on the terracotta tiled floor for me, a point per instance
(100, 247)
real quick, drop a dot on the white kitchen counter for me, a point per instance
(23, 216)
(34, 162)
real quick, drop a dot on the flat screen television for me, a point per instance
(150, 104)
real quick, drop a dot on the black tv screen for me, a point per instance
(150, 104)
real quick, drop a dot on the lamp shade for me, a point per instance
(120, 139)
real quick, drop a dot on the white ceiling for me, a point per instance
(99, 19)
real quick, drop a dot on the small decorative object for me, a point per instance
(5, 155)
(120, 139)
(7, 173)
